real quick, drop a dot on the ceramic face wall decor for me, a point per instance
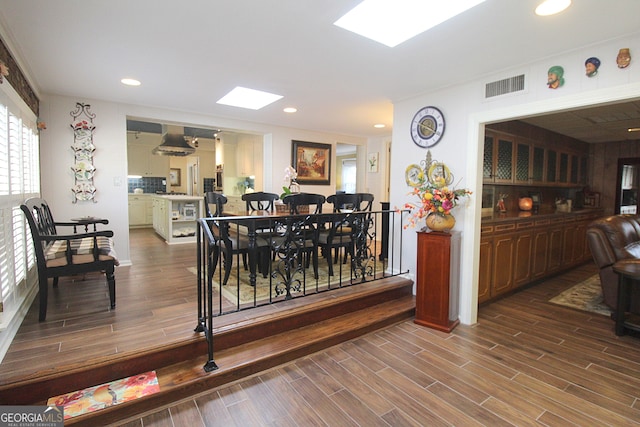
(591, 66)
(555, 77)
(624, 58)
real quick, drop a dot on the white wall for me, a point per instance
(461, 147)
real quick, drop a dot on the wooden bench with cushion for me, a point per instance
(67, 254)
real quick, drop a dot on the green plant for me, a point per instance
(285, 191)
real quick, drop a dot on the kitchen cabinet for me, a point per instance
(522, 164)
(522, 249)
(574, 169)
(584, 171)
(498, 158)
(140, 211)
(174, 217)
(502, 264)
(160, 218)
(517, 160)
(537, 165)
(539, 252)
(249, 157)
(568, 242)
(552, 166)
(555, 245)
(485, 270)
(143, 163)
(563, 168)
(517, 251)
(235, 204)
(244, 158)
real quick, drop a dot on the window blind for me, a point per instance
(19, 180)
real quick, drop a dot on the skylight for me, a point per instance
(248, 98)
(393, 22)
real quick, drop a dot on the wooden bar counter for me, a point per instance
(518, 248)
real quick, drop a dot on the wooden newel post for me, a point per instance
(437, 280)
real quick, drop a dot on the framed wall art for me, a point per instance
(373, 162)
(174, 177)
(312, 161)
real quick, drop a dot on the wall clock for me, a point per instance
(427, 127)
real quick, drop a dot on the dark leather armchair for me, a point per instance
(612, 239)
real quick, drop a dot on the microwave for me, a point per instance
(189, 211)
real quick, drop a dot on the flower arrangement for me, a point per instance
(291, 185)
(435, 199)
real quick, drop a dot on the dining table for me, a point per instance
(284, 228)
(271, 222)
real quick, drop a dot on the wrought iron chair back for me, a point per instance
(260, 201)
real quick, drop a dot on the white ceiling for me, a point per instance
(190, 53)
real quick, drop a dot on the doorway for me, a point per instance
(346, 168)
(627, 184)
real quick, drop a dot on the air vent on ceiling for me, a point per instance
(504, 86)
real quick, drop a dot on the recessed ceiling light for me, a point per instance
(379, 125)
(393, 22)
(130, 82)
(290, 110)
(248, 98)
(551, 7)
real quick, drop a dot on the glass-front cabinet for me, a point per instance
(552, 166)
(518, 160)
(523, 163)
(498, 159)
(537, 165)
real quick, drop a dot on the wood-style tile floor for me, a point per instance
(525, 363)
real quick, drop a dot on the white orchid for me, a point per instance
(290, 174)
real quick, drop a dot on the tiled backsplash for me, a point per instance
(148, 184)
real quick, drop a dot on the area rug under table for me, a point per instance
(265, 287)
(585, 296)
(101, 396)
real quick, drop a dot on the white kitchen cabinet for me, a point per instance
(140, 210)
(174, 217)
(235, 204)
(249, 156)
(143, 163)
(244, 157)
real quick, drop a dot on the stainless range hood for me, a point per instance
(173, 143)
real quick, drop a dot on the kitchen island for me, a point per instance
(174, 217)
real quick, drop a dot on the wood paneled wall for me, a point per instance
(603, 166)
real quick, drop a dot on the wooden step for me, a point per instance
(373, 305)
(187, 379)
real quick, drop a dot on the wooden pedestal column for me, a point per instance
(437, 280)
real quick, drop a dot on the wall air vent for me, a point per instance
(501, 87)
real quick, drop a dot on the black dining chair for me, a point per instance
(304, 225)
(260, 201)
(337, 234)
(230, 242)
(349, 209)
